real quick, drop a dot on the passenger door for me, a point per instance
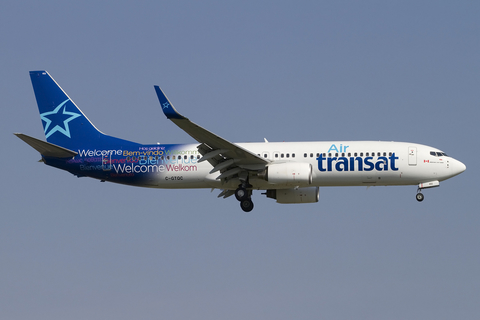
(412, 156)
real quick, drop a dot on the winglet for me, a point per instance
(167, 107)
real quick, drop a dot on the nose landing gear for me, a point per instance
(419, 195)
(425, 185)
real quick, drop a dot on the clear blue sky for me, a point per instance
(285, 70)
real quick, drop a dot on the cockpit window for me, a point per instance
(438, 154)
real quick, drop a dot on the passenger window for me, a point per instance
(281, 156)
(343, 154)
(293, 155)
(390, 154)
(384, 154)
(366, 154)
(276, 155)
(311, 155)
(336, 154)
(264, 155)
(329, 154)
(361, 154)
(378, 154)
(198, 157)
(288, 155)
(304, 155)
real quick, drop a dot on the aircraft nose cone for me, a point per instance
(462, 167)
(459, 167)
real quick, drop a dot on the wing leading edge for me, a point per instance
(225, 156)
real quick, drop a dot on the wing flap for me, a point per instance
(215, 142)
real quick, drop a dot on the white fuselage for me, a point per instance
(337, 163)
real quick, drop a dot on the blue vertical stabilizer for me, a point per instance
(63, 122)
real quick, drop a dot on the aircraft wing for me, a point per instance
(223, 155)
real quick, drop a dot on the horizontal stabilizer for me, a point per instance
(45, 148)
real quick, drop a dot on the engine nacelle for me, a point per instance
(289, 173)
(297, 195)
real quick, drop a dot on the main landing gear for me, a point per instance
(245, 197)
(246, 205)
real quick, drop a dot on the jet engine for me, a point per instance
(288, 173)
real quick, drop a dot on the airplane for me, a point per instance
(289, 172)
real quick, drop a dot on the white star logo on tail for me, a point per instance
(58, 118)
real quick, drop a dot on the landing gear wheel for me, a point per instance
(246, 205)
(241, 194)
(420, 197)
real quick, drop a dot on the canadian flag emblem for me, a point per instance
(426, 161)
